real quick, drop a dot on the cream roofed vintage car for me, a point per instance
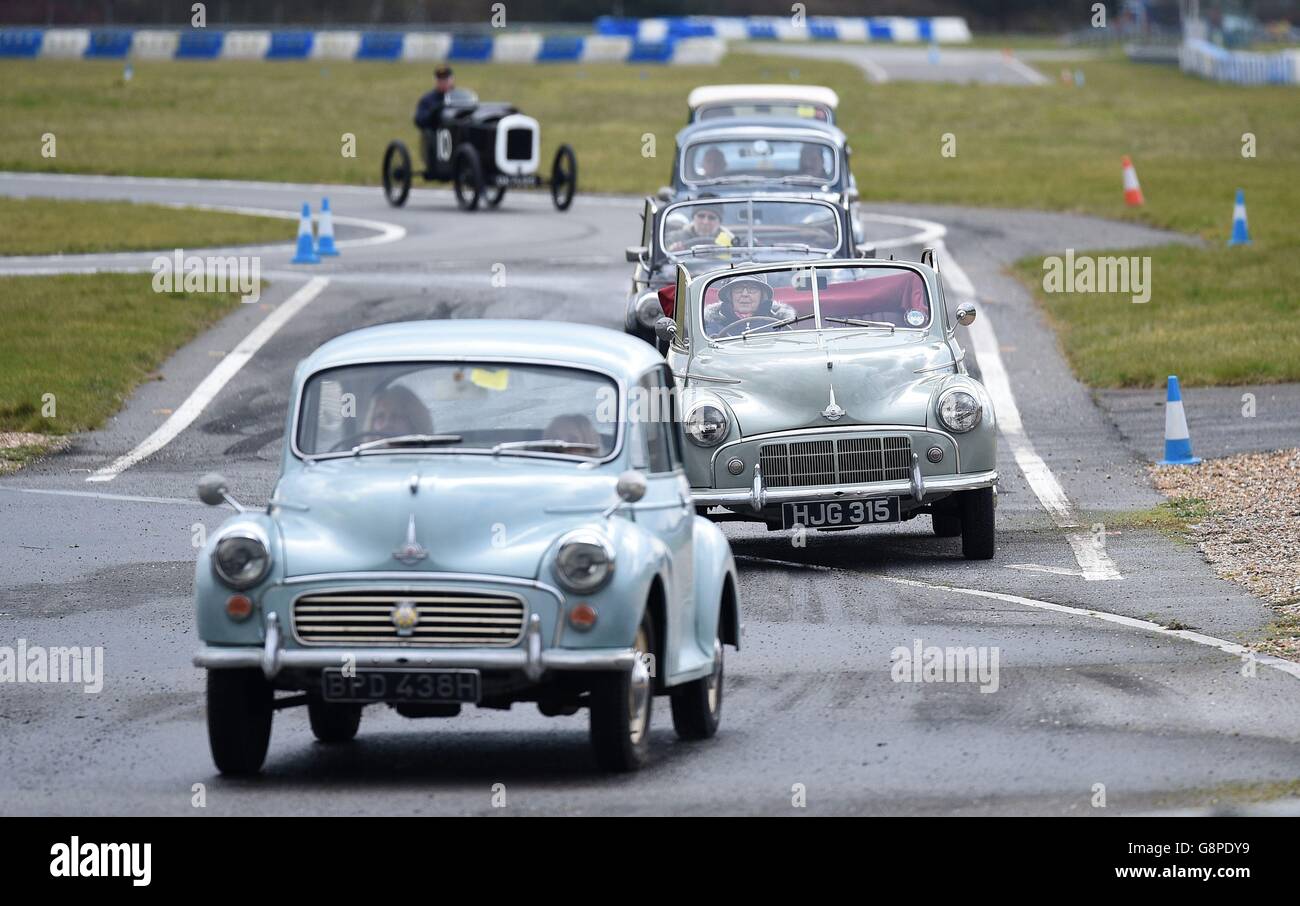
(801, 101)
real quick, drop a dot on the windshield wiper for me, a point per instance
(714, 180)
(854, 322)
(774, 325)
(544, 444)
(408, 440)
(805, 177)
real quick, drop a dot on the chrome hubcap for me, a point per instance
(715, 678)
(638, 696)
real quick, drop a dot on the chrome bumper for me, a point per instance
(758, 497)
(530, 659)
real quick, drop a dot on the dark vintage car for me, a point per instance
(745, 155)
(482, 149)
(709, 234)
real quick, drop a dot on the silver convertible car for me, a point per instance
(470, 512)
(830, 395)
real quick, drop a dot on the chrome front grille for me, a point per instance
(848, 460)
(440, 618)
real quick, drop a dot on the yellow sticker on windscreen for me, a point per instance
(806, 112)
(490, 380)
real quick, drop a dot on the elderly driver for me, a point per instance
(705, 227)
(742, 298)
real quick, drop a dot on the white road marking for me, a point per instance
(1288, 667)
(1092, 558)
(1036, 568)
(126, 498)
(874, 70)
(211, 385)
(1027, 72)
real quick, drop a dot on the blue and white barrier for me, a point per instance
(893, 29)
(216, 44)
(1211, 61)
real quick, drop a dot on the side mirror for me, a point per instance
(866, 251)
(852, 193)
(664, 194)
(634, 253)
(631, 486)
(666, 329)
(966, 313)
(213, 491)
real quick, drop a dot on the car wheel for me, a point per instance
(946, 525)
(978, 537)
(620, 709)
(397, 174)
(468, 180)
(564, 177)
(492, 197)
(697, 705)
(239, 719)
(333, 721)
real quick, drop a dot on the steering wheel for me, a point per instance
(736, 328)
(347, 443)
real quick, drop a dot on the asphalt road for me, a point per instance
(913, 64)
(1162, 721)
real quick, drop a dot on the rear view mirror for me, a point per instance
(634, 253)
(966, 313)
(666, 329)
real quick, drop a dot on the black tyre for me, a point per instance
(978, 534)
(397, 173)
(493, 195)
(333, 721)
(564, 177)
(239, 719)
(468, 178)
(946, 525)
(621, 705)
(697, 705)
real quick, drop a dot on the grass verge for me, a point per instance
(44, 226)
(74, 346)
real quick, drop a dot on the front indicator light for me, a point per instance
(239, 607)
(582, 617)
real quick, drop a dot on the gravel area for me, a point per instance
(1252, 535)
(19, 447)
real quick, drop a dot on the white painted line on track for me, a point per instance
(211, 385)
(125, 498)
(1025, 71)
(1092, 558)
(1288, 667)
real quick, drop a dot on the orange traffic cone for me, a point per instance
(1132, 191)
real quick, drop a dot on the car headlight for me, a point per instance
(648, 309)
(706, 426)
(241, 561)
(585, 561)
(960, 411)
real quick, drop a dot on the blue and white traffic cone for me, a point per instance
(305, 254)
(1178, 443)
(1240, 234)
(325, 232)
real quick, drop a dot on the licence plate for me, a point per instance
(832, 513)
(395, 684)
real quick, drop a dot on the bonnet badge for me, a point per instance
(410, 552)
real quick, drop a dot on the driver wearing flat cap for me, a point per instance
(742, 298)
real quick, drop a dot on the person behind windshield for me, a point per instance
(705, 227)
(429, 110)
(712, 164)
(812, 162)
(577, 430)
(396, 411)
(742, 298)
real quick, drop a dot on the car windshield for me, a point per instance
(785, 109)
(736, 229)
(877, 298)
(504, 408)
(718, 162)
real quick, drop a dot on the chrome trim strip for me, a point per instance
(379, 576)
(837, 429)
(300, 391)
(227, 658)
(744, 496)
(686, 375)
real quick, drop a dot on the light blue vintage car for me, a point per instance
(470, 512)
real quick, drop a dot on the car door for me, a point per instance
(667, 509)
